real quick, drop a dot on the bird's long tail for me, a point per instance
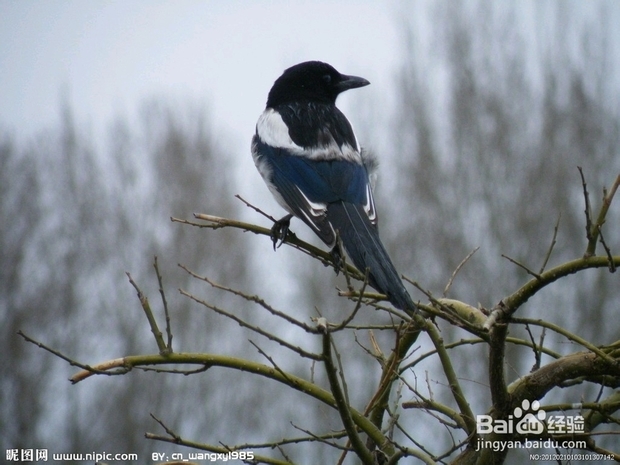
(361, 241)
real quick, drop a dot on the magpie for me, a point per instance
(307, 154)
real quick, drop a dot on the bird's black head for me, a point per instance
(312, 81)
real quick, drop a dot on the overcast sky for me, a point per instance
(106, 57)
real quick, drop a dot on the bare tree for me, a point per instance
(517, 304)
(375, 432)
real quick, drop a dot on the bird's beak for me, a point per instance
(351, 82)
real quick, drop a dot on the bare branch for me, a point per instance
(587, 211)
(612, 266)
(457, 269)
(497, 378)
(453, 381)
(537, 352)
(520, 265)
(568, 335)
(552, 245)
(254, 328)
(254, 299)
(144, 302)
(256, 209)
(342, 405)
(601, 217)
(522, 295)
(535, 385)
(216, 222)
(453, 311)
(271, 360)
(511, 340)
(102, 369)
(358, 305)
(324, 438)
(165, 304)
(174, 436)
(224, 450)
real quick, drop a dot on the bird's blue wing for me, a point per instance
(308, 186)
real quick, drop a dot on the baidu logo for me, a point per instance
(526, 419)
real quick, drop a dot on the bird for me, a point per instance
(307, 153)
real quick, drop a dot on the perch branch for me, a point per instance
(216, 222)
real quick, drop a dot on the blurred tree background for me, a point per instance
(495, 107)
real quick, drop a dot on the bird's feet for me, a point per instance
(279, 230)
(337, 258)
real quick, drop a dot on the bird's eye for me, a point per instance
(327, 79)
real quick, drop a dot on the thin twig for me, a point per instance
(430, 406)
(520, 265)
(101, 370)
(462, 342)
(251, 327)
(612, 265)
(256, 209)
(588, 208)
(388, 375)
(358, 305)
(552, 245)
(171, 433)
(537, 353)
(311, 437)
(271, 360)
(165, 304)
(568, 335)
(600, 219)
(176, 439)
(144, 302)
(325, 438)
(457, 269)
(252, 298)
(448, 312)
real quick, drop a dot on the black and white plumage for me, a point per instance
(307, 153)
